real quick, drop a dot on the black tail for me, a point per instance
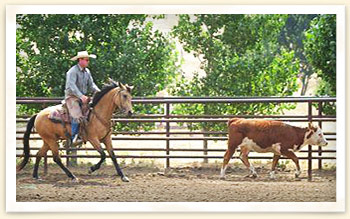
(26, 149)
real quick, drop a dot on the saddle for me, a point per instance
(60, 114)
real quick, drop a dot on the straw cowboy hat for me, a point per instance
(83, 54)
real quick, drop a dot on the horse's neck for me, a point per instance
(106, 106)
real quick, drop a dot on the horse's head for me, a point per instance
(122, 98)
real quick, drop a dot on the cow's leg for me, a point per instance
(227, 157)
(233, 140)
(276, 157)
(291, 155)
(244, 158)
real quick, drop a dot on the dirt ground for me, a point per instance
(196, 183)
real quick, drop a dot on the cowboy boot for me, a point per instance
(75, 130)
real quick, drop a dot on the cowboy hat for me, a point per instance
(83, 54)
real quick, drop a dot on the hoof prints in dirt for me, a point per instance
(175, 185)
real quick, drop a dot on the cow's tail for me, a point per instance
(231, 121)
(26, 150)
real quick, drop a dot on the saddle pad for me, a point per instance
(59, 113)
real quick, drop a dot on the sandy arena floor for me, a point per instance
(186, 184)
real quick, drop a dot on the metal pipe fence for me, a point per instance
(168, 133)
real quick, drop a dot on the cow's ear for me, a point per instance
(310, 134)
(310, 126)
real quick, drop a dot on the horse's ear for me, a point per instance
(121, 86)
(129, 88)
(111, 81)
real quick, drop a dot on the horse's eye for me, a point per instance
(125, 96)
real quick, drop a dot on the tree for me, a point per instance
(320, 47)
(241, 57)
(127, 47)
(128, 50)
(292, 37)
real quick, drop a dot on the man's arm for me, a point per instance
(92, 86)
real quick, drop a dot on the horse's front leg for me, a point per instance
(108, 142)
(97, 146)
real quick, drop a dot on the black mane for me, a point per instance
(98, 96)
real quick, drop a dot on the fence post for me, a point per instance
(67, 160)
(309, 155)
(45, 164)
(205, 149)
(320, 125)
(167, 127)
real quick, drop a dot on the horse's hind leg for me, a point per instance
(42, 152)
(97, 146)
(56, 157)
(109, 147)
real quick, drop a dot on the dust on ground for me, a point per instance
(193, 183)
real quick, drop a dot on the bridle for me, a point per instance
(105, 123)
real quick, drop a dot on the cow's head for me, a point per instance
(314, 136)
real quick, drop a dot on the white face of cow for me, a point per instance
(314, 136)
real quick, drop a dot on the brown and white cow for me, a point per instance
(269, 136)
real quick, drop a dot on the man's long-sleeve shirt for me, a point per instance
(79, 82)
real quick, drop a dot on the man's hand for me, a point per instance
(85, 99)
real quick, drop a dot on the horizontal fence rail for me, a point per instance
(169, 134)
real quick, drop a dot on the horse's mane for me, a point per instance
(98, 96)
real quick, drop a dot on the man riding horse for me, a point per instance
(78, 82)
(51, 125)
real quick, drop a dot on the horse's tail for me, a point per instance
(26, 150)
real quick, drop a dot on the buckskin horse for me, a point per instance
(98, 129)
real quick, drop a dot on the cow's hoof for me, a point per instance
(125, 179)
(272, 175)
(223, 177)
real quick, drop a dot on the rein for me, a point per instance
(107, 124)
(104, 122)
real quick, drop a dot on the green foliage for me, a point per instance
(292, 37)
(127, 48)
(241, 57)
(320, 47)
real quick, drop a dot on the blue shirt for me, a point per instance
(79, 82)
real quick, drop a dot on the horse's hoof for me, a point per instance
(38, 179)
(125, 179)
(75, 180)
(90, 171)
(223, 177)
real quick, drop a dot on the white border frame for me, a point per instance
(13, 206)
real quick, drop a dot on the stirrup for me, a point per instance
(77, 141)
